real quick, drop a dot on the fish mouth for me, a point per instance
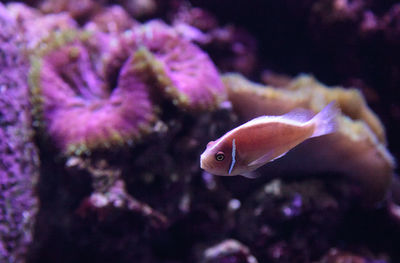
(202, 162)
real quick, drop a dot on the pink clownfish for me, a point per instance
(264, 139)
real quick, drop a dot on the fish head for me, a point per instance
(217, 158)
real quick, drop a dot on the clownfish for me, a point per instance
(264, 139)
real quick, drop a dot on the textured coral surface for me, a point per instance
(125, 97)
(19, 160)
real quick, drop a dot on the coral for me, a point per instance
(19, 158)
(336, 15)
(140, 8)
(140, 203)
(112, 19)
(84, 68)
(79, 110)
(228, 251)
(196, 17)
(231, 47)
(273, 210)
(357, 149)
(95, 213)
(36, 26)
(390, 25)
(75, 9)
(184, 72)
(338, 256)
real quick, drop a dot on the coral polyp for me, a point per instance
(77, 107)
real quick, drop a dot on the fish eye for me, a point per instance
(220, 156)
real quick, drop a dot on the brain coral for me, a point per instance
(18, 156)
(95, 90)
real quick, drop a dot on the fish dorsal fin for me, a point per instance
(211, 143)
(299, 114)
(257, 120)
(263, 159)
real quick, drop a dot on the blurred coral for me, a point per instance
(36, 26)
(228, 251)
(77, 10)
(109, 193)
(231, 47)
(184, 72)
(113, 19)
(338, 256)
(19, 158)
(273, 210)
(140, 8)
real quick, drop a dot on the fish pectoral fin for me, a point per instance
(263, 159)
(278, 156)
(250, 175)
(268, 157)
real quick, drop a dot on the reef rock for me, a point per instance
(19, 158)
(228, 251)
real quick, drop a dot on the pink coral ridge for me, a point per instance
(185, 73)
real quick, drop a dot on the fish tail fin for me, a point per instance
(326, 120)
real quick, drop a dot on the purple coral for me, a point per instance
(77, 9)
(185, 73)
(112, 19)
(18, 162)
(36, 26)
(73, 77)
(80, 110)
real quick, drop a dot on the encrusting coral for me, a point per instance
(357, 149)
(82, 108)
(19, 158)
